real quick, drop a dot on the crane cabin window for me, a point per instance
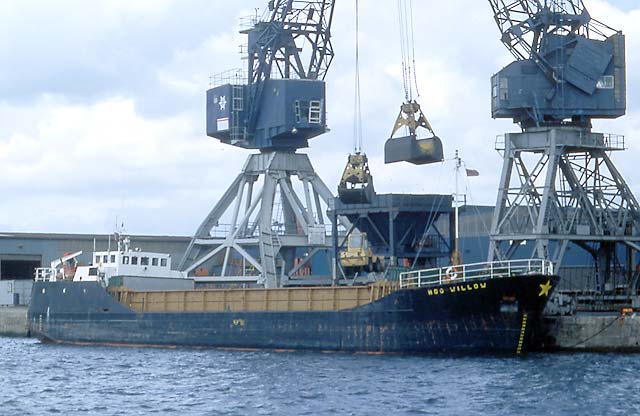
(504, 88)
(315, 112)
(607, 82)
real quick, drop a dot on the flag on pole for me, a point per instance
(472, 172)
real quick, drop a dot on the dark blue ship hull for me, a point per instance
(499, 315)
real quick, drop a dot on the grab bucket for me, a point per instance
(413, 150)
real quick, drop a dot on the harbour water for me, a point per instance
(40, 379)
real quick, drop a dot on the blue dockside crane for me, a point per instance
(276, 234)
(559, 184)
(280, 103)
(569, 68)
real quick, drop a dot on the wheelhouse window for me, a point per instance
(125, 259)
(105, 258)
(144, 261)
(113, 258)
(134, 260)
(97, 259)
(154, 261)
(163, 262)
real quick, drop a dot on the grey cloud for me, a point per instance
(68, 48)
(82, 53)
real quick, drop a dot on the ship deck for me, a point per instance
(299, 299)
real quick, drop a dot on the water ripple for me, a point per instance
(53, 379)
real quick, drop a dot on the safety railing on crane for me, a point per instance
(223, 230)
(614, 141)
(236, 76)
(248, 22)
(500, 143)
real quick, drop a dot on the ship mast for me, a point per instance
(455, 256)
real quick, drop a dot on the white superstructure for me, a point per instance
(106, 264)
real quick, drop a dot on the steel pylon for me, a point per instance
(269, 248)
(559, 186)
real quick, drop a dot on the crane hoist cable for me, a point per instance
(407, 49)
(413, 50)
(401, 27)
(356, 184)
(357, 120)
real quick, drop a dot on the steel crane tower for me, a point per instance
(558, 183)
(275, 106)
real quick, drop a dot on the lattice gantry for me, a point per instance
(266, 243)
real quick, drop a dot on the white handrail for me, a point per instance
(475, 271)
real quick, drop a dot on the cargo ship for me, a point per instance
(132, 298)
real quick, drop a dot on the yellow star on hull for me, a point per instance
(544, 288)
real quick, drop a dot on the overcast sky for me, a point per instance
(102, 105)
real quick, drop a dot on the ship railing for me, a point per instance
(45, 274)
(475, 271)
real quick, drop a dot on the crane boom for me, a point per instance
(280, 40)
